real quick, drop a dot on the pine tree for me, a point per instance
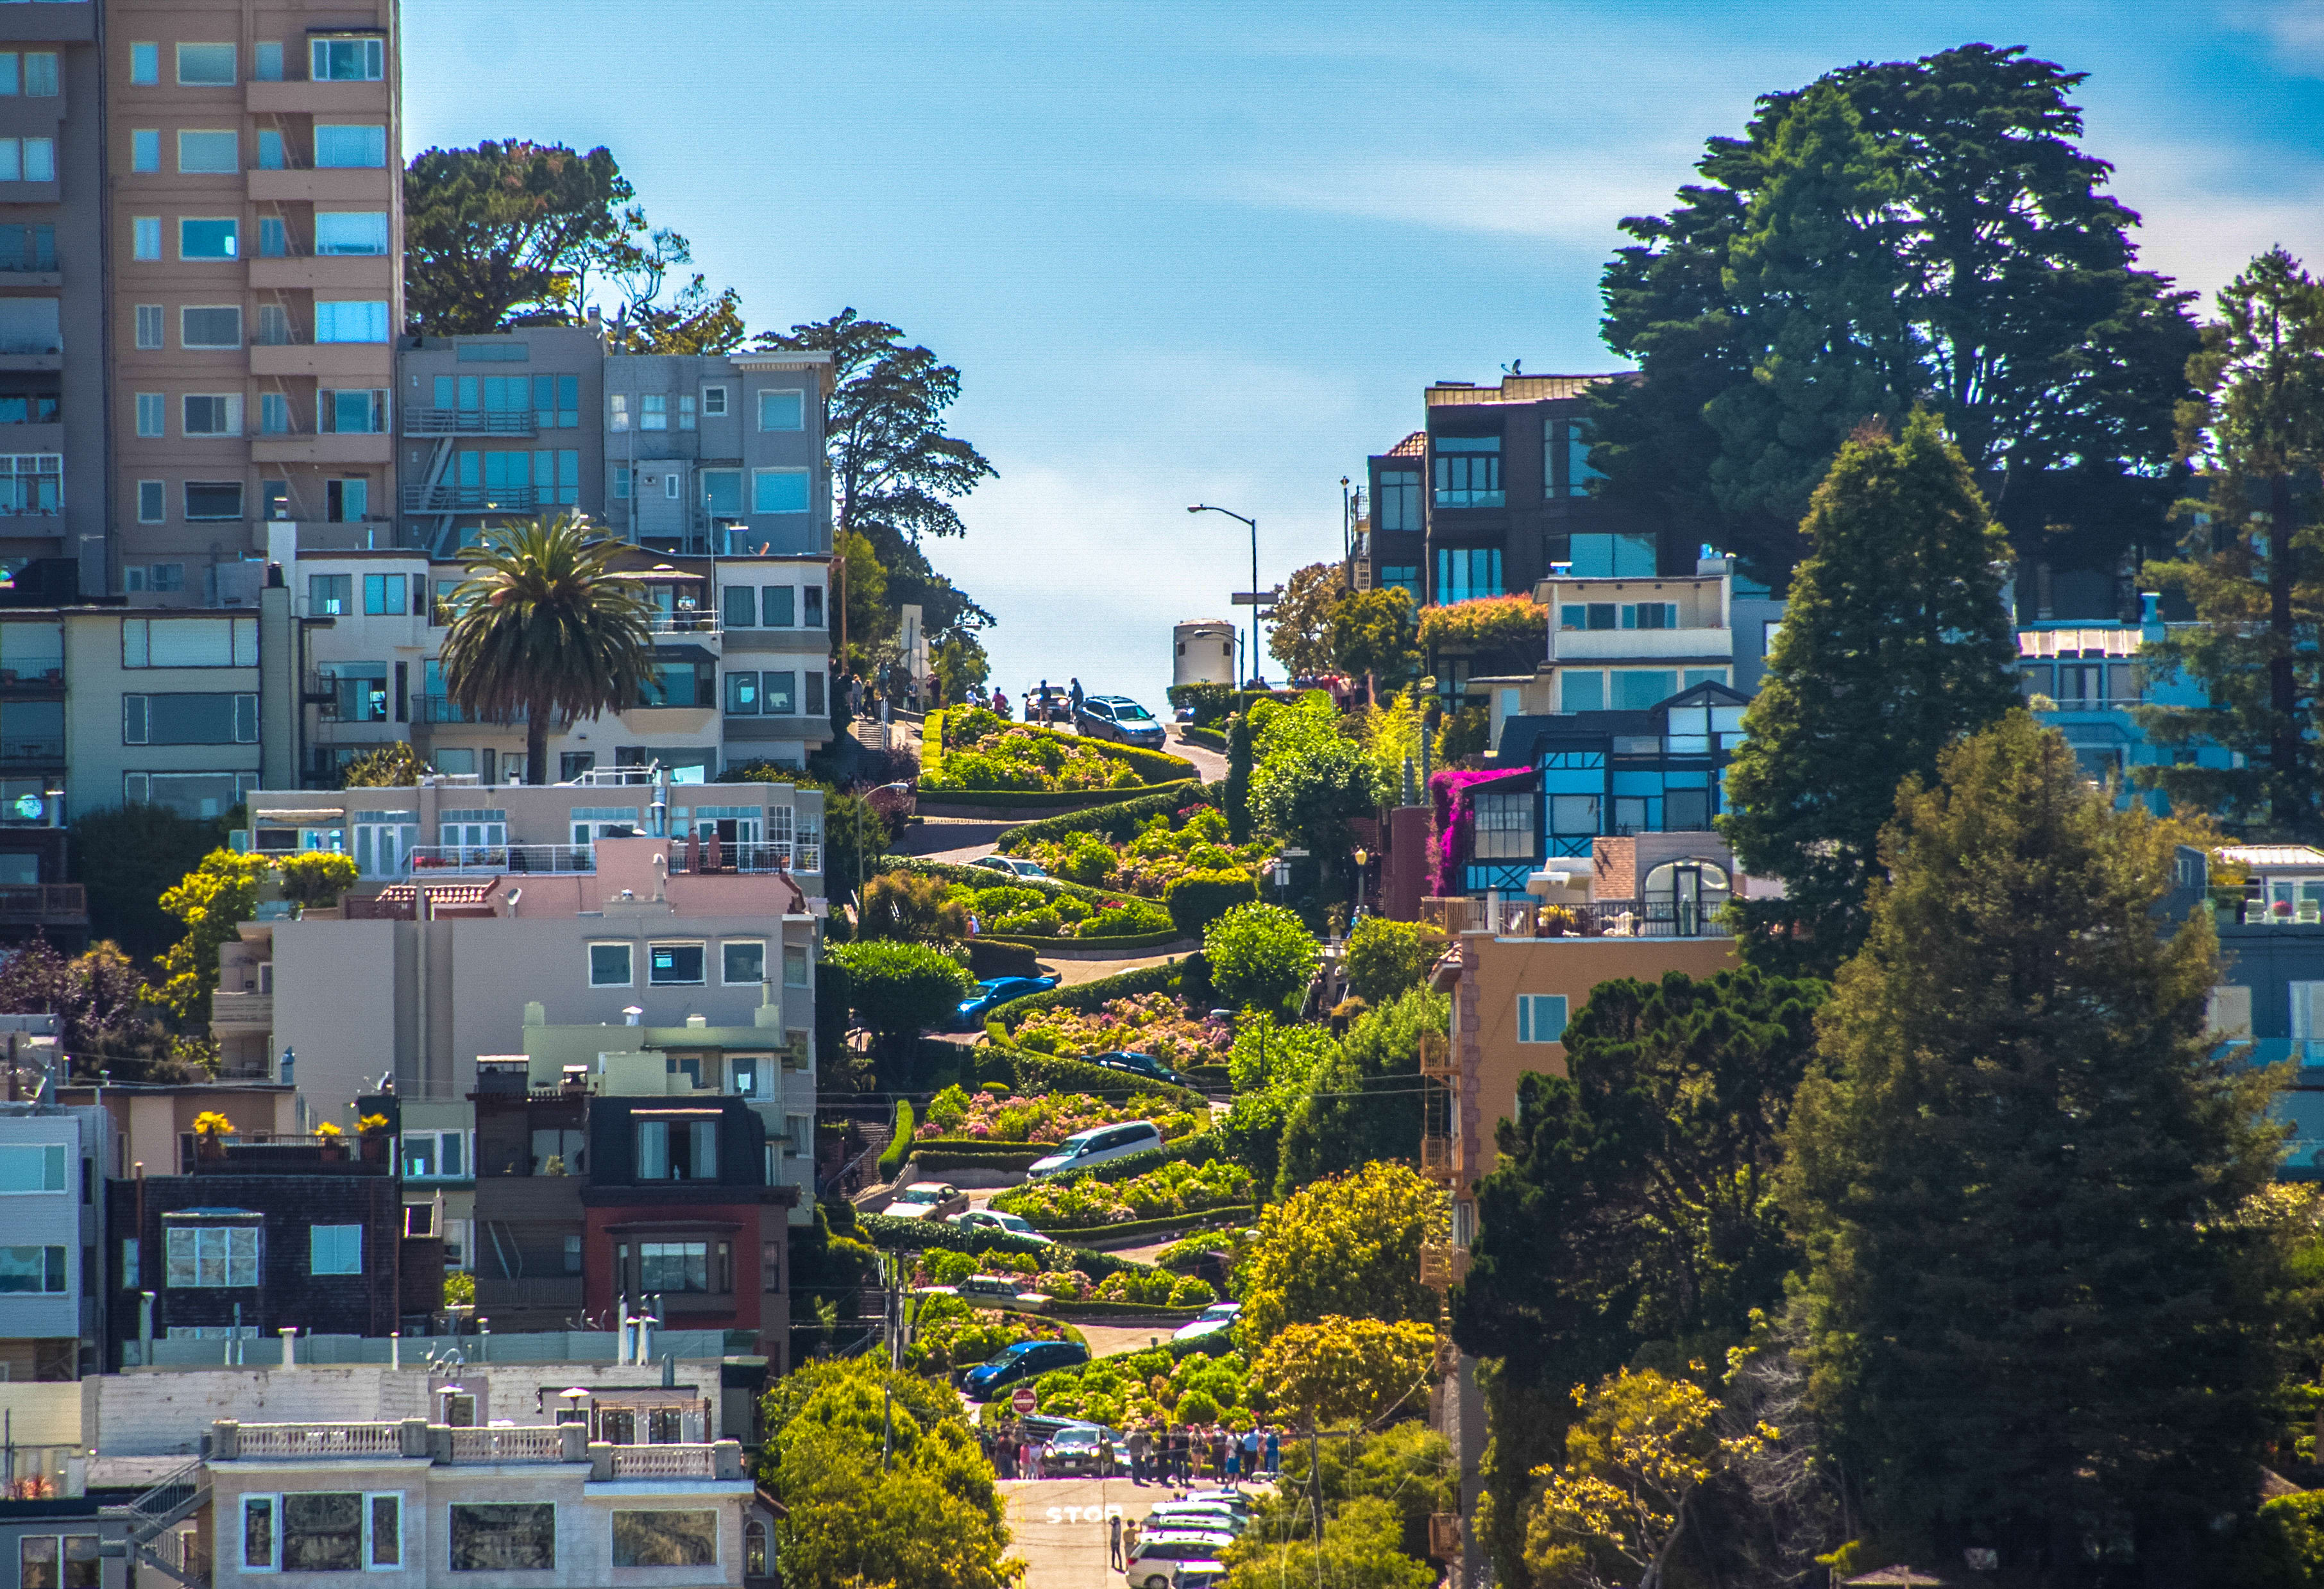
(1894, 641)
(2036, 1312)
(2257, 436)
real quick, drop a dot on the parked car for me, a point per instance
(1001, 1290)
(1098, 1144)
(987, 1219)
(1136, 1064)
(1212, 1516)
(1075, 1450)
(1053, 705)
(1216, 1319)
(1235, 1500)
(1027, 1360)
(1014, 865)
(1199, 1574)
(995, 992)
(1158, 1556)
(926, 1200)
(1119, 718)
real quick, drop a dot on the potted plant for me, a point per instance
(1554, 921)
(335, 1150)
(211, 1131)
(373, 1131)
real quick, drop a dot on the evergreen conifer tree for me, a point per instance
(2038, 1312)
(1894, 641)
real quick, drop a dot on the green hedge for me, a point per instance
(1196, 899)
(986, 877)
(1033, 799)
(913, 1235)
(1125, 943)
(892, 1157)
(1094, 1307)
(942, 1159)
(1210, 738)
(1152, 767)
(1037, 1075)
(1204, 1147)
(1118, 822)
(1237, 1214)
(988, 959)
(1096, 995)
(931, 750)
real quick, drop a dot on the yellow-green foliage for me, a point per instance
(1345, 1371)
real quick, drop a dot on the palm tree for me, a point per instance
(544, 626)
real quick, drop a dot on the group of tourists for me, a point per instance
(1156, 1453)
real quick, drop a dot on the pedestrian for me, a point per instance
(1105, 1454)
(1000, 704)
(1024, 1459)
(1113, 1528)
(1140, 1443)
(1251, 1445)
(1274, 1451)
(856, 694)
(1218, 1453)
(1043, 697)
(1074, 694)
(1234, 1462)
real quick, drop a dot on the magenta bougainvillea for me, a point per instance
(1454, 830)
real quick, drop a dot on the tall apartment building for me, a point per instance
(52, 412)
(255, 211)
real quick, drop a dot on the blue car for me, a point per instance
(1027, 1360)
(993, 992)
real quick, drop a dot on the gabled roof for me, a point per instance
(1414, 446)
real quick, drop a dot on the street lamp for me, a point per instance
(1204, 507)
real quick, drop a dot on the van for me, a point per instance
(1098, 1144)
(1157, 1556)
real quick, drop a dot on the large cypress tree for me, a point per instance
(2037, 1318)
(1894, 641)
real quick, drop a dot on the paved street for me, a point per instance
(1060, 1527)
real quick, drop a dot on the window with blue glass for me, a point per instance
(1468, 472)
(1464, 573)
(1404, 576)
(1611, 557)
(1640, 689)
(1565, 468)
(1541, 1018)
(1399, 506)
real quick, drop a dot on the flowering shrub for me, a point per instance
(1156, 858)
(1151, 1023)
(984, 750)
(957, 1113)
(1026, 912)
(1085, 1201)
(1152, 1290)
(951, 1334)
(1150, 1388)
(949, 1269)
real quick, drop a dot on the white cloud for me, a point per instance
(2205, 210)
(2295, 27)
(1575, 196)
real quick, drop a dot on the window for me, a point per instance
(556, 399)
(345, 412)
(778, 491)
(32, 1167)
(674, 1266)
(1581, 692)
(653, 411)
(273, 414)
(129, 1280)
(1468, 472)
(795, 970)
(145, 236)
(209, 154)
(190, 717)
(322, 1531)
(189, 643)
(151, 322)
(1565, 468)
(270, 158)
(743, 961)
(1637, 689)
(502, 1537)
(1466, 573)
(741, 695)
(152, 501)
(384, 594)
(330, 596)
(335, 1249)
(1404, 576)
(60, 1561)
(776, 692)
(1541, 1018)
(144, 63)
(41, 74)
(31, 483)
(1398, 507)
(153, 413)
(355, 148)
(609, 965)
(218, 414)
(811, 597)
(740, 605)
(351, 322)
(205, 65)
(669, 485)
(1650, 614)
(676, 1150)
(28, 160)
(215, 237)
(617, 411)
(722, 493)
(145, 149)
(213, 499)
(1612, 557)
(782, 410)
(674, 966)
(346, 61)
(209, 1256)
(29, 407)
(1504, 827)
(351, 231)
(266, 63)
(210, 328)
(665, 1539)
(754, 1533)
(435, 1155)
(1573, 816)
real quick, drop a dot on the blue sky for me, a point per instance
(1213, 252)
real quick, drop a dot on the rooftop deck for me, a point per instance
(443, 1445)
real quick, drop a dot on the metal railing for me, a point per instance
(1442, 1264)
(1438, 1158)
(663, 1462)
(1436, 1060)
(533, 1443)
(31, 345)
(32, 747)
(443, 708)
(321, 1440)
(466, 421)
(684, 624)
(476, 498)
(34, 901)
(439, 860)
(733, 858)
(236, 1009)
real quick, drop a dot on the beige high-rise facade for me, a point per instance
(254, 195)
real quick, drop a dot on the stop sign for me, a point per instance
(1023, 1401)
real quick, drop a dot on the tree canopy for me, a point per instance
(1894, 641)
(1301, 638)
(1347, 1246)
(1895, 234)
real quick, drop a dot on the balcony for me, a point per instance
(463, 421)
(373, 361)
(1439, 1158)
(32, 749)
(1436, 1061)
(73, 21)
(309, 98)
(735, 857)
(476, 498)
(32, 678)
(344, 273)
(40, 904)
(440, 708)
(493, 860)
(240, 1012)
(445, 1447)
(1641, 645)
(1443, 1265)
(337, 446)
(40, 351)
(684, 624)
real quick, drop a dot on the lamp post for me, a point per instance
(1204, 507)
